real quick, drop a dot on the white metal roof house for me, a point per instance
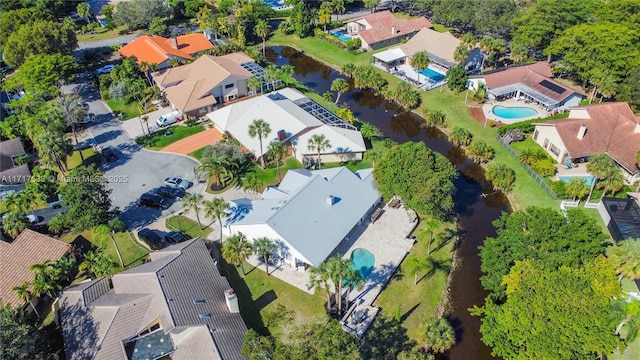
(309, 214)
(293, 119)
(176, 306)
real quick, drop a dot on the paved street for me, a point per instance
(120, 40)
(137, 170)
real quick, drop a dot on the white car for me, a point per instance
(105, 69)
(177, 182)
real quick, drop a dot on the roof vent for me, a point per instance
(232, 301)
(174, 42)
(198, 301)
(582, 131)
(394, 30)
(331, 200)
(204, 315)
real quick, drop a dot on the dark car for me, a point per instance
(169, 192)
(175, 237)
(151, 238)
(109, 154)
(152, 200)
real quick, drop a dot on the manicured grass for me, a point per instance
(162, 138)
(198, 153)
(101, 34)
(128, 110)
(631, 353)
(91, 156)
(413, 303)
(269, 175)
(187, 226)
(133, 254)
(440, 28)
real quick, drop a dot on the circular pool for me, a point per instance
(513, 112)
(363, 261)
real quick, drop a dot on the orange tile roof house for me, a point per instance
(28, 248)
(531, 82)
(383, 29)
(206, 84)
(154, 49)
(610, 128)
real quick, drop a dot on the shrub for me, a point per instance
(528, 126)
(544, 168)
(559, 188)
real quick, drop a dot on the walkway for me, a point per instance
(194, 142)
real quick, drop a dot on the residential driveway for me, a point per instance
(137, 170)
(120, 40)
(194, 142)
(135, 127)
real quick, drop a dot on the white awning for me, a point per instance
(390, 55)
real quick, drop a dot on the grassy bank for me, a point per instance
(133, 254)
(128, 110)
(187, 226)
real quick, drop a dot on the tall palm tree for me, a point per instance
(265, 247)
(271, 73)
(84, 10)
(215, 208)
(98, 264)
(339, 269)
(348, 69)
(341, 86)
(73, 111)
(252, 184)
(628, 312)
(254, 83)
(215, 165)
(438, 334)
(14, 222)
(368, 131)
(601, 166)
(276, 151)
(260, 129)
(626, 258)
(24, 293)
(262, 29)
(614, 183)
(420, 61)
(319, 278)
(353, 280)
(414, 264)
(53, 149)
(431, 226)
(324, 14)
(193, 202)
(577, 188)
(42, 285)
(236, 250)
(319, 143)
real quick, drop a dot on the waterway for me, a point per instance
(475, 212)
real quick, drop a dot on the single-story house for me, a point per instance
(154, 49)
(207, 83)
(294, 119)
(16, 257)
(309, 214)
(440, 47)
(610, 128)
(530, 82)
(10, 171)
(383, 29)
(177, 306)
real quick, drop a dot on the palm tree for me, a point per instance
(215, 208)
(414, 264)
(368, 131)
(431, 226)
(613, 183)
(319, 279)
(438, 335)
(262, 29)
(276, 151)
(42, 285)
(251, 184)
(577, 187)
(193, 202)
(259, 128)
(460, 136)
(324, 14)
(53, 149)
(348, 69)
(14, 222)
(254, 83)
(601, 166)
(318, 142)
(98, 264)
(214, 165)
(271, 74)
(236, 250)
(265, 247)
(339, 268)
(420, 61)
(626, 258)
(84, 10)
(287, 71)
(628, 312)
(338, 7)
(106, 230)
(25, 295)
(353, 280)
(341, 86)
(73, 111)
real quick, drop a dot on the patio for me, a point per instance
(409, 74)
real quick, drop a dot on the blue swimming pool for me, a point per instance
(274, 3)
(340, 35)
(434, 76)
(363, 261)
(588, 178)
(513, 112)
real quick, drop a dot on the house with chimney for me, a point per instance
(308, 215)
(383, 28)
(610, 128)
(154, 49)
(176, 306)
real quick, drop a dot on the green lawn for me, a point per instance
(128, 110)
(269, 175)
(187, 226)
(413, 303)
(162, 138)
(440, 28)
(101, 34)
(90, 154)
(133, 254)
(198, 153)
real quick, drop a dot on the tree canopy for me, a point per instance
(39, 37)
(86, 195)
(420, 176)
(137, 14)
(42, 73)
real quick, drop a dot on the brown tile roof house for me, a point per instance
(155, 49)
(10, 173)
(210, 81)
(383, 28)
(176, 306)
(439, 46)
(28, 248)
(611, 128)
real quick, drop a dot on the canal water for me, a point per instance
(475, 212)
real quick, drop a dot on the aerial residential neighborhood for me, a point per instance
(338, 179)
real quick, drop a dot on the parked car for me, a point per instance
(151, 238)
(105, 69)
(177, 183)
(175, 237)
(170, 192)
(109, 154)
(152, 200)
(168, 118)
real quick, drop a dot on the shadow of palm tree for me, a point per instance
(436, 265)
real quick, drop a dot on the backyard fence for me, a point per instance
(528, 168)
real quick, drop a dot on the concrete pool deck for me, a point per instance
(488, 113)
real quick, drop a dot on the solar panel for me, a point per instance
(553, 87)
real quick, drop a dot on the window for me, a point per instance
(229, 86)
(554, 150)
(535, 135)
(231, 97)
(546, 143)
(202, 111)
